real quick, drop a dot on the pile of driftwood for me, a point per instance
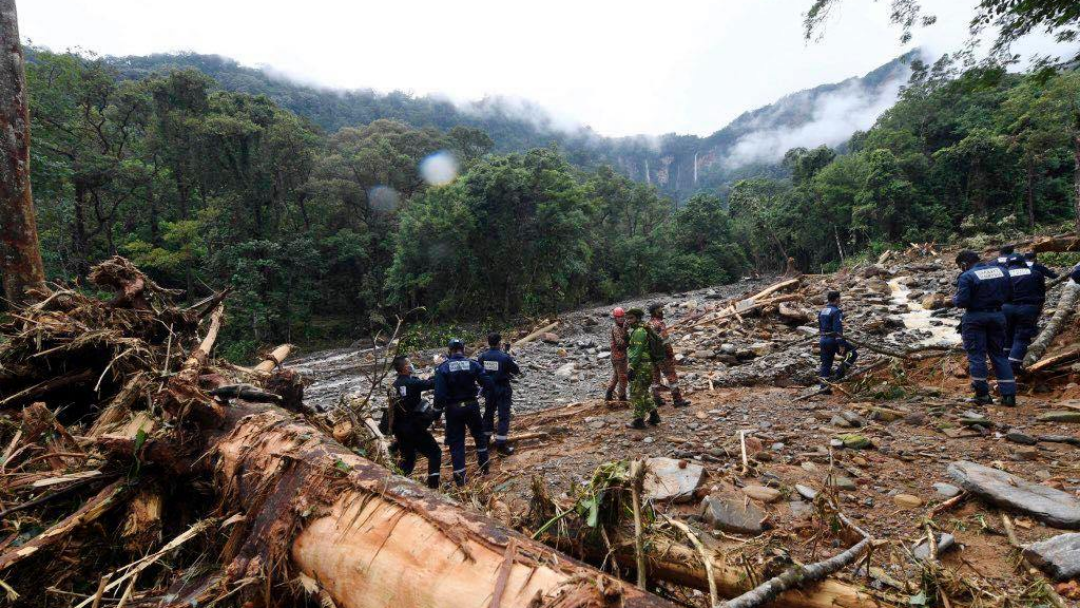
(136, 471)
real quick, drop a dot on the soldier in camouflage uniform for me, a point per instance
(619, 339)
(640, 371)
(667, 366)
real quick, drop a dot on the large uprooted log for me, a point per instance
(140, 464)
(1066, 306)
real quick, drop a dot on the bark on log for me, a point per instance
(21, 267)
(1065, 308)
(372, 539)
(676, 563)
(274, 359)
(1059, 243)
(536, 334)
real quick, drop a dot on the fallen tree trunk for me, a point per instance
(274, 359)
(1064, 311)
(536, 334)
(372, 539)
(676, 563)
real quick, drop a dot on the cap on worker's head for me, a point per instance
(1031, 256)
(967, 257)
(456, 344)
(1015, 259)
(1007, 249)
(655, 306)
(618, 313)
(636, 312)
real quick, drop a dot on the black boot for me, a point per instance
(658, 400)
(433, 481)
(638, 423)
(504, 449)
(1008, 400)
(654, 417)
(459, 479)
(610, 395)
(982, 399)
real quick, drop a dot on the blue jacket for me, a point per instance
(457, 380)
(1028, 284)
(831, 321)
(498, 365)
(1075, 274)
(1043, 270)
(985, 287)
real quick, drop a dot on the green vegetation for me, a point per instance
(323, 235)
(206, 188)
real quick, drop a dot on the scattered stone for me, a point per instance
(1051, 506)
(907, 501)
(800, 509)
(1022, 439)
(840, 421)
(550, 338)
(944, 542)
(806, 491)
(673, 480)
(566, 370)
(934, 301)
(841, 483)
(854, 441)
(1059, 417)
(1058, 557)
(947, 490)
(731, 515)
(762, 493)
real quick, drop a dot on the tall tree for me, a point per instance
(20, 256)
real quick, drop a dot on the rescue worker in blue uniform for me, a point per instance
(982, 290)
(832, 342)
(500, 367)
(1074, 274)
(410, 418)
(457, 382)
(1004, 254)
(1022, 313)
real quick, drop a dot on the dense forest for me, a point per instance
(678, 165)
(324, 232)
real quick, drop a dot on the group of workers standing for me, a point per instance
(642, 357)
(458, 383)
(1002, 300)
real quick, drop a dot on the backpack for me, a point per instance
(655, 345)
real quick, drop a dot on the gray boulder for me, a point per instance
(731, 515)
(1046, 504)
(1058, 557)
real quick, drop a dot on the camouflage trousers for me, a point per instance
(666, 370)
(640, 397)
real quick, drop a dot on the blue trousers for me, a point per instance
(414, 439)
(830, 347)
(1021, 327)
(499, 401)
(984, 335)
(459, 417)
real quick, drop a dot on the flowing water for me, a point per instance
(942, 329)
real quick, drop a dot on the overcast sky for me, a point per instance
(621, 66)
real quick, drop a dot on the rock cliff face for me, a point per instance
(755, 142)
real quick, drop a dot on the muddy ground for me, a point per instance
(756, 375)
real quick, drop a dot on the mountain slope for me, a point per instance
(679, 165)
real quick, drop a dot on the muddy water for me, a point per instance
(942, 329)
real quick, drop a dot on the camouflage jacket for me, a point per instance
(620, 340)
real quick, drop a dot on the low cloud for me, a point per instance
(832, 118)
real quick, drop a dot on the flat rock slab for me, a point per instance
(673, 480)
(1059, 417)
(762, 493)
(733, 515)
(1046, 504)
(1058, 557)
